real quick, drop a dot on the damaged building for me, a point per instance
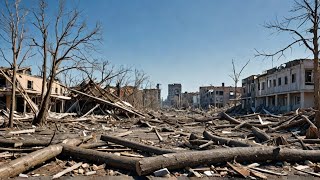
(190, 99)
(174, 95)
(217, 96)
(31, 85)
(152, 98)
(284, 88)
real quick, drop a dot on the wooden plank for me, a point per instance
(69, 169)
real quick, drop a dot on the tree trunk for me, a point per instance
(240, 154)
(260, 134)
(235, 94)
(316, 74)
(41, 117)
(22, 164)
(135, 145)
(44, 68)
(13, 91)
(229, 118)
(226, 141)
(111, 160)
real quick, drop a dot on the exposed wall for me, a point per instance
(308, 99)
(151, 98)
(57, 89)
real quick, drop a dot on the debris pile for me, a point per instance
(259, 145)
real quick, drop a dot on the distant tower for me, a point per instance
(174, 94)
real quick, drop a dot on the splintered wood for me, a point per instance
(167, 143)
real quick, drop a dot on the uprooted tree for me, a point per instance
(13, 32)
(69, 42)
(303, 25)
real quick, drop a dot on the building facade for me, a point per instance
(189, 99)
(248, 92)
(32, 86)
(174, 95)
(285, 88)
(152, 98)
(217, 96)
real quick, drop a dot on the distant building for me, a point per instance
(284, 88)
(174, 95)
(152, 98)
(189, 99)
(139, 98)
(196, 100)
(217, 96)
(248, 92)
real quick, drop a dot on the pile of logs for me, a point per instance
(210, 145)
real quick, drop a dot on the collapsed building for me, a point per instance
(90, 97)
(218, 96)
(284, 88)
(190, 99)
(31, 86)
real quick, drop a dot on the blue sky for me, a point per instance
(191, 42)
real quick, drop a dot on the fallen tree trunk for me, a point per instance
(226, 141)
(93, 145)
(121, 162)
(240, 154)
(22, 164)
(17, 166)
(229, 118)
(23, 143)
(287, 125)
(136, 145)
(309, 141)
(260, 134)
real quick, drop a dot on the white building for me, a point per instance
(287, 87)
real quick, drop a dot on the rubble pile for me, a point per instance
(168, 143)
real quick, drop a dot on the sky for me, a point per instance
(191, 42)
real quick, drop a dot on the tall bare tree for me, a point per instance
(236, 77)
(42, 25)
(303, 25)
(13, 33)
(71, 43)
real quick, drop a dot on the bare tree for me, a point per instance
(303, 25)
(236, 77)
(13, 33)
(71, 42)
(122, 79)
(42, 25)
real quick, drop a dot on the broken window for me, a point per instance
(285, 80)
(30, 84)
(293, 78)
(56, 90)
(2, 82)
(258, 86)
(274, 83)
(263, 85)
(297, 100)
(221, 93)
(308, 77)
(279, 81)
